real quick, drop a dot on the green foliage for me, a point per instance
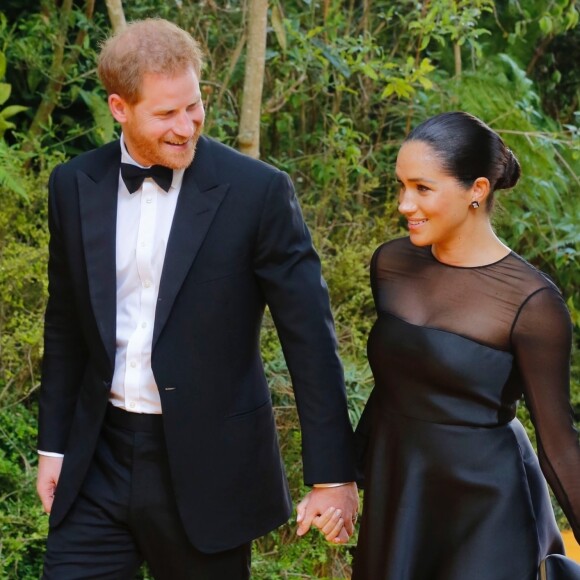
(540, 19)
(30, 45)
(5, 90)
(23, 252)
(345, 81)
(105, 129)
(23, 242)
(23, 525)
(459, 21)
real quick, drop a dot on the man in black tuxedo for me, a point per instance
(157, 439)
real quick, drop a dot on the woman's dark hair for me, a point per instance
(469, 149)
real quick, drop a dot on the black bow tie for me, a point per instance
(133, 176)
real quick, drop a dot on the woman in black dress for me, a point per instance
(465, 327)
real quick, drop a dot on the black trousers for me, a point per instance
(126, 514)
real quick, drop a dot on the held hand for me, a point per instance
(47, 479)
(331, 525)
(317, 504)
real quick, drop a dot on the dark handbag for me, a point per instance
(558, 567)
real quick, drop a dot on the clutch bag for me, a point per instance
(558, 567)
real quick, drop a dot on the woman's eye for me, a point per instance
(422, 188)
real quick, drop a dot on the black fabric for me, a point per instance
(151, 423)
(557, 567)
(126, 513)
(133, 176)
(453, 488)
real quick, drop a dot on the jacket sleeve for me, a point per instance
(289, 272)
(65, 351)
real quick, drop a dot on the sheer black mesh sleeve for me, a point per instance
(541, 338)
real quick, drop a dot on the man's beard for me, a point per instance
(158, 155)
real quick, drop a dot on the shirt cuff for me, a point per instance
(49, 453)
(331, 484)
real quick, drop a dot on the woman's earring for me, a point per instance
(474, 204)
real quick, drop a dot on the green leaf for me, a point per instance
(546, 24)
(6, 179)
(12, 110)
(5, 90)
(334, 59)
(368, 70)
(2, 65)
(426, 66)
(5, 125)
(314, 31)
(572, 18)
(105, 124)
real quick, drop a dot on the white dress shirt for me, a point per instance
(143, 224)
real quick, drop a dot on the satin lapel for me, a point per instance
(98, 207)
(196, 209)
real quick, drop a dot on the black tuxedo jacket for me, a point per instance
(237, 243)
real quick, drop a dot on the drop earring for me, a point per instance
(474, 204)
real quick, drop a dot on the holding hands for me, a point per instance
(333, 510)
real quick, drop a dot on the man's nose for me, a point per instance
(184, 125)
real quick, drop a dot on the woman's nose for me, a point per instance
(407, 204)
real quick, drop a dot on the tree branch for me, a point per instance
(56, 76)
(116, 15)
(539, 53)
(249, 132)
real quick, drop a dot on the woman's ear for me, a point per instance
(480, 190)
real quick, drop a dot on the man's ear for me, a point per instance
(118, 107)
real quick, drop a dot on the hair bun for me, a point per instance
(511, 173)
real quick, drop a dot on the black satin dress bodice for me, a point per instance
(453, 488)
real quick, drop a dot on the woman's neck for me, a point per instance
(479, 248)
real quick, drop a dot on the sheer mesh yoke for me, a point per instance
(481, 303)
(507, 306)
(453, 488)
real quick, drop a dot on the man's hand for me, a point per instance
(333, 510)
(47, 479)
